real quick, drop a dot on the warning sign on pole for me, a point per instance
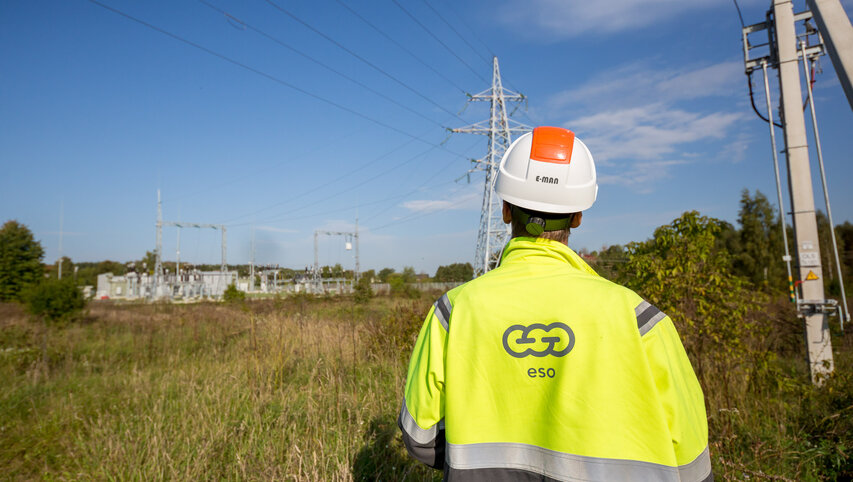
(811, 276)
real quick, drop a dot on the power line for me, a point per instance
(351, 188)
(428, 31)
(259, 72)
(340, 209)
(416, 189)
(359, 57)
(426, 2)
(416, 215)
(318, 62)
(402, 47)
(740, 16)
(274, 79)
(471, 30)
(326, 183)
(426, 181)
(254, 173)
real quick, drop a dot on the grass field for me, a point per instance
(304, 389)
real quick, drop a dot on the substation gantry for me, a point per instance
(350, 238)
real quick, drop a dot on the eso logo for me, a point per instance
(559, 341)
(547, 179)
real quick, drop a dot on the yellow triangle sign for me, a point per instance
(811, 276)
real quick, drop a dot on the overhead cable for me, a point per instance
(740, 16)
(752, 101)
(402, 47)
(428, 31)
(426, 181)
(314, 188)
(416, 215)
(359, 57)
(470, 30)
(262, 73)
(436, 12)
(312, 59)
(473, 32)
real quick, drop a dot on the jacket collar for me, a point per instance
(542, 251)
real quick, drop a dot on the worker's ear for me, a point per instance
(507, 213)
(576, 220)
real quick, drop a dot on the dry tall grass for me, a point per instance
(298, 390)
(303, 389)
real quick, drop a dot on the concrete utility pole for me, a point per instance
(818, 346)
(837, 33)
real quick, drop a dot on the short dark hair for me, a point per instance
(560, 235)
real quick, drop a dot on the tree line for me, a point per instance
(753, 250)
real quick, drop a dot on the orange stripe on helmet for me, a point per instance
(552, 144)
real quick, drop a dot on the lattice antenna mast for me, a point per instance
(493, 233)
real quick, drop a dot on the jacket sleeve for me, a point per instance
(678, 391)
(422, 415)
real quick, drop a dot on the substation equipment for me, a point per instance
(320, 285)
(193, 283)
(786, 48)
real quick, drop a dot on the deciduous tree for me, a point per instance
(682, 272)
(455, 272)
(20, 260)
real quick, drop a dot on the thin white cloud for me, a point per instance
(560, 19)
(469, 200)
(636, 83)
(274, 229)
(424, 205)
(640, 120)
(463, 197)
(56, 233)
(640, 176)
(650, 132)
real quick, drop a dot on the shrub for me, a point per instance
(399, 287)
(395, 333)
(232, 294)
(363, 291)
(54, 299)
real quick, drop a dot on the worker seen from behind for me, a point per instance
(542, 370)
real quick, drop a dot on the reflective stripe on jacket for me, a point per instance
(542, 370)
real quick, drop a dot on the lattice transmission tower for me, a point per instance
(493, 233)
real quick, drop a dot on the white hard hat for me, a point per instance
(548, 170)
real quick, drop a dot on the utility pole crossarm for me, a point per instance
(837, 32)
(192, 225)
(508, 95)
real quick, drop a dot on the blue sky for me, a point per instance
(98, 111)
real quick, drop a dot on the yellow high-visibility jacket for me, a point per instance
(542, 370)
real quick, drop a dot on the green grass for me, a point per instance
(304, 389)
